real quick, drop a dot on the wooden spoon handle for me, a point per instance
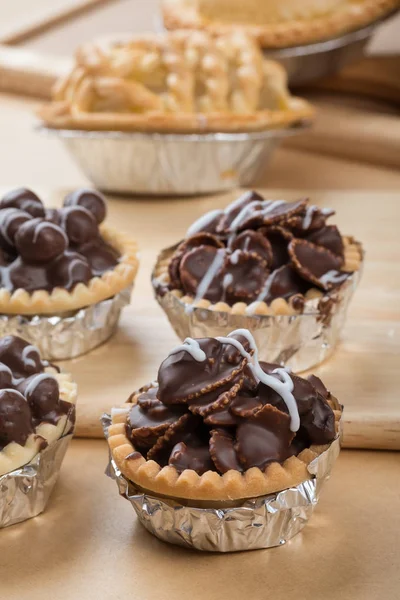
(29, 73)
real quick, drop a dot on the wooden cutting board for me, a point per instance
(363, 373)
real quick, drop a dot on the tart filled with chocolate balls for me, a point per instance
(37, 403)
(258, 256)
(54, 260)
(220, 425)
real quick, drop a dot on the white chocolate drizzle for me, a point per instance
(29, 362)
(204, 220)
(266, 288)
(211, 272)
(192, 347)
(7, 217)
(283, 386)
(310, 210)
(332, 277)
(32, 385)
(308, 217)
(48, 225)
(254, 209)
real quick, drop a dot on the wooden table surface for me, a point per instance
(88, 543)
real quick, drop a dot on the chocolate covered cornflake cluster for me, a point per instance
(215, 407)
(43, 249)
(259, 250)
(29, 396)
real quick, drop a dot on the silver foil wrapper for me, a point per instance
(171, 164)
(67, 335)
(299, 341)
(24, 493)
(261, 522)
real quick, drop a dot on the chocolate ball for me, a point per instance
(20, 356)
(93, 201)
(15, 418)
(53, 215)
(6, 378)
(40, 241)
(42, 394)
(69, 269)
(79, 224)
(24, 276)
(10, 221)
(23, 199)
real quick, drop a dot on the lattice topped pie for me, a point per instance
(181, 82)
(277, 24)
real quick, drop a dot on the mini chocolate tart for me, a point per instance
(260, 257)
(37, 403)
(58, 260)
(276, 268)
(218, 425)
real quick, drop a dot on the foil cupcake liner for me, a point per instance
(171, 164)
(262, 522)
(24, 493)
(67, 335)
(298, 341)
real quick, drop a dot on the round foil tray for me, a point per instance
(171, 164)
(299, 341)
(68, 335)
(313, 61)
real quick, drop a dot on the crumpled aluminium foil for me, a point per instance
(25, 492)
(298, 341)
(171, 164)
(68, 335)
(261, 522)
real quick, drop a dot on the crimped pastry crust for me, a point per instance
(353, 257)
(233, 485)
(14, 455)
(59, 300)
(185, 14)
(180, 82)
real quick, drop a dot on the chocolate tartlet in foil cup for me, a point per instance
(25, 492)
(67, 335)
(299, 341)
(171, 164)
(262, 522)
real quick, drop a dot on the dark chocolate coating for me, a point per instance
(92, 200)
(20, 356)
(23, 199)
(41, 249)
(15, 418)
(214, 415)
(39, 241)
(67, 270)
(10, 221)
(281, 236)
(79, 224)
(43, 396)
(28, 396)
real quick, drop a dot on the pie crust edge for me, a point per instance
(178, 14)
(211, 486)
